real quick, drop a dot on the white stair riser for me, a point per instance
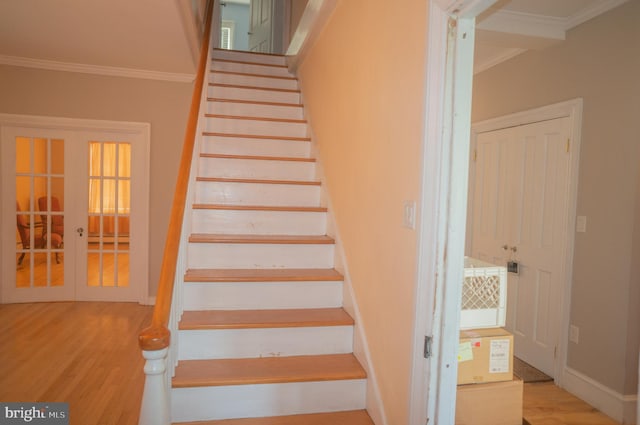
(272, 342)
(262, 295)
(248, 57)
(256, 147)
(245, 222)
(266, 256)
(255, 110)
(258, 95)
(250, 68)
(256, 169)
(256, 127)
(238, 401)
(257, 194)
(254, 81)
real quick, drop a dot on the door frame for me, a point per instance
(443, 211)
(571, 109)
(139, 129)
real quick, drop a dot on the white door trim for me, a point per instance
(72, 124)
(573, 110)
(443, 211)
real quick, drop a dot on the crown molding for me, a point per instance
(111, 71)
(598, 8)
(550, 27)
(506, 21)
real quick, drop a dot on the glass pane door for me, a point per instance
(108, 217)
(108, 212)
(38, 172)
(76, 201)
(39, 212)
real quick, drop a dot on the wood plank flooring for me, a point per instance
(546, 404)
(87, 354)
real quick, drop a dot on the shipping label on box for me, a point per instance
(485, 355)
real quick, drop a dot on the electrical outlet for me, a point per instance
(574, 334)
(409, 215)
(581, 224)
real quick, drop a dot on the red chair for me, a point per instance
(57, 224)
(25, 234)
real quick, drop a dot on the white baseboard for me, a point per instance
(151, 300)
(374, 405)
(619, 407)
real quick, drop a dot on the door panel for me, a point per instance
(520, 209)
(114, 210)
(261, 28)
(35, 161)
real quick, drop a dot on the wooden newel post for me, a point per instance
(155, 398)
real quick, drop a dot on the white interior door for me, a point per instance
(261, 25)
(519, 214)
(36, 264)
(75, 203)
(113, 217)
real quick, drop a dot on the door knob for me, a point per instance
(80, 231)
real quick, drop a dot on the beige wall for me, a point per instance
(163, 104)
(363, 85)
(599, 61)
(297, 9)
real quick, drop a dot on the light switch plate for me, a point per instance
(409, 215)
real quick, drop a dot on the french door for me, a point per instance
(76, 200)
(520, 209)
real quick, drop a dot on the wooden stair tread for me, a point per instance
(247, 118)
(260, 181)
(256, 157)
(251, 319)
(257, 208)
(255, 102)
(260, 239)
(351, 417)
(249, 74)
(240, 86)
(267, 370)
(250, 63)
(257, 136)
(262, 275)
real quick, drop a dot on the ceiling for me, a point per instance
(512, 27)
(144, 38)
(155, 38)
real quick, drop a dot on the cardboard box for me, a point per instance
(485, 355)
(497, 403)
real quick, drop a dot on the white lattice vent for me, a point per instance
(484, 295)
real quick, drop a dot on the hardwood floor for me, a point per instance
(85, 354)
(546, 404)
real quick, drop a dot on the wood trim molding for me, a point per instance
(110, 71)
(157, 336)
(618, 406)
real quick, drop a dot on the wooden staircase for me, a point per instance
(263, 338)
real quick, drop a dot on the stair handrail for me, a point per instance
(157, 335)
(158, 349)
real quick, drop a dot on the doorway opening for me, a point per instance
(80, 190)
(522, 203)
(260, 26)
